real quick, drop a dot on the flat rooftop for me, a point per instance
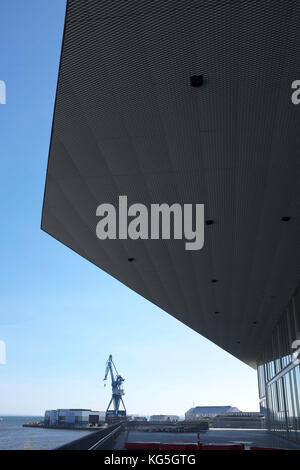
(252, 437)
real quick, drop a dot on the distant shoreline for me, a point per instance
(2, 415)
(69, 428)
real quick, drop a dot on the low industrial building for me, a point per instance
(73, 417)
(200, 412)
(139, 418)
(164, 418)
(245, 420)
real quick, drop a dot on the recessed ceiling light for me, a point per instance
(209, 222)
(196, 81)
(286, 218)
(131, 259)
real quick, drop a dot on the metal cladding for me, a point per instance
(131, 119)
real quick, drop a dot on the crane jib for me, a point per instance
(117, 390)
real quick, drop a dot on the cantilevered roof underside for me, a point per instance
(127, 122)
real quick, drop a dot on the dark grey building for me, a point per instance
(190, 105)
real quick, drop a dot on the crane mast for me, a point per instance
(117, 390)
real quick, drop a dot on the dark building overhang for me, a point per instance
(128, 121)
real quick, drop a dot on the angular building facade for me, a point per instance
(190, 105)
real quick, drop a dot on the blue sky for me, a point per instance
(60, 316)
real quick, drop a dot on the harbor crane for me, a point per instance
(117, 390)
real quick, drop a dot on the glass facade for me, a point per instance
(279, 375)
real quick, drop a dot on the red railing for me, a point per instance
(189, 446)
(179, 446)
